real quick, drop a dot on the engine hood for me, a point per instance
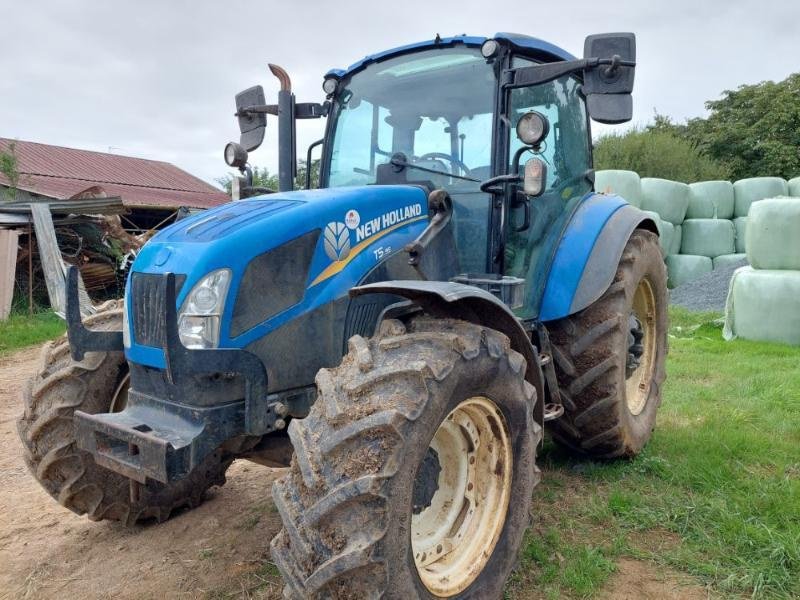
(358, 226)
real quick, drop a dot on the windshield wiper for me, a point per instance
(399, 160)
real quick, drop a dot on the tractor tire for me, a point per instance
(413, 473)
(610, 403)
(70, 475)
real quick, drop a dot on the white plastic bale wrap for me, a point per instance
(670, 199)
(794, 187)
(685, 267)
(747, 191)
(666, 231)
(764, 306)
(773, 234)
(708, 237)
(623, 183)
(710, 200)
(677, 238)
(740, 223)
(726, 260)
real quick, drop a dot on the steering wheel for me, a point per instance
(447, 157)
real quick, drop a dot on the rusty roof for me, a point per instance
(59, 172)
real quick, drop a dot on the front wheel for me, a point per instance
(413, 473)
(97, 384)
(610, 358)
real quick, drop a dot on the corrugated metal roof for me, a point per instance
(60, 172)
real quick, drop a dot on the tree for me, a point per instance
(9, 167)
(263, 178)
(754, 129)
(657, 151)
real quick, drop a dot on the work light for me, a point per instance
(489, 48)
(329, 85)
(235, 155)
(532, 128)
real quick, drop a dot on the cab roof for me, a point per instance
(525, 44)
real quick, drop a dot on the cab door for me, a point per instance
(534, 226)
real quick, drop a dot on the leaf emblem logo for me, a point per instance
(337, 240)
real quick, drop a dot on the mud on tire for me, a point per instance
(590, 351)
(346, 503)
(59, 388)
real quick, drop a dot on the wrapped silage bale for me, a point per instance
(623, 183)
(747, 191)
(677, 238)
(670, 199)
(773, 234)
(764, 306)
(740, 223)
(685, 267)
(794, 187)
(726, 260)
(710, 200)
(708, 237)
(666, 231)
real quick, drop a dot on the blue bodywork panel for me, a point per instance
(379, 221)
(573, 253)
(525, 44)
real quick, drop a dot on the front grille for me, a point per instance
(148, 307)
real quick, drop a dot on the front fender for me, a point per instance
(444, 299)
(588, 255)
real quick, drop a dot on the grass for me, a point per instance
(22, 330)
(716, 493)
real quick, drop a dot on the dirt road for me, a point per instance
(219, 550)
(46, 551)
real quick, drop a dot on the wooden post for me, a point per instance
(30, 269)
(8, 267)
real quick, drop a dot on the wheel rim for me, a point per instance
(637, 384)
(120, 398)
(454, 532)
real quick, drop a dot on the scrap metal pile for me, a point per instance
(38, 240)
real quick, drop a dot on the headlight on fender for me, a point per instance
(201, 312)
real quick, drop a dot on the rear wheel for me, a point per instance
(610, 358)
(98, 383)
(413, 473)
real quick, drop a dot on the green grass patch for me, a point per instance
(716, 493)
(22, 330)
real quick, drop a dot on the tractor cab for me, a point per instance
(447, 114)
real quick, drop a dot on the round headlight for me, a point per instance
(329, 85)
(235, 155)
(489, 48)
(532, 128)
(204, 299)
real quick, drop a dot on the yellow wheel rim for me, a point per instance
(454, 535)
(638, 383)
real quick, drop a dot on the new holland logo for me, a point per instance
(337, 240)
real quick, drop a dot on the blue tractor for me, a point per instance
(399, 337)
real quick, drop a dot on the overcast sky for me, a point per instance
(156, 79)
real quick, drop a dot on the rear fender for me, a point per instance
(443, 299)
(588, 254)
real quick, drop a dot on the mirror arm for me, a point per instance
(269, 109)
(308, 161)
(536, 74)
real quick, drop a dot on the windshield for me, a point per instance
(436, 107)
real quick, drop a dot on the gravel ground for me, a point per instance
(705, 293)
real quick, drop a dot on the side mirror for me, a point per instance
(251, 124)
(608, 85)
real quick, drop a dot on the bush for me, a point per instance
(654, 153)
